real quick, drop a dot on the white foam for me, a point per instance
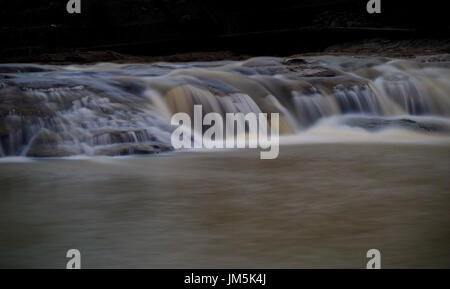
(331, 130)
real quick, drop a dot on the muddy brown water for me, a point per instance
(316, 206)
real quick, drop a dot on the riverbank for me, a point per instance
(373, 47)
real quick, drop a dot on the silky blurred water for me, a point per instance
(316, 206)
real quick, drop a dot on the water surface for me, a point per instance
(316, 206)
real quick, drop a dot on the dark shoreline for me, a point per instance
(198, 30)
(378, 46)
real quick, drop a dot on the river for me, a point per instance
(363, 163)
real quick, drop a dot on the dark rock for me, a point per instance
(19, 68)
(375, 124)
(130, 149)
(294, 61)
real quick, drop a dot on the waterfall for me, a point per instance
(117, 109)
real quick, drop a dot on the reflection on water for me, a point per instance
(315, 206)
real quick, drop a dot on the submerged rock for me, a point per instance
(376, 124)
(130, 149)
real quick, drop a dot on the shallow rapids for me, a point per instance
(120, 109)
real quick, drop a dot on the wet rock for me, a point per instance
(130, 149)
(49, 144)
(46, 151)
(294, 61)
(20, 68)
(376, 124)
(302, 68)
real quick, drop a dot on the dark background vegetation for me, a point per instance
(161, 27)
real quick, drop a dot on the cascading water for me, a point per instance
(115, 109)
